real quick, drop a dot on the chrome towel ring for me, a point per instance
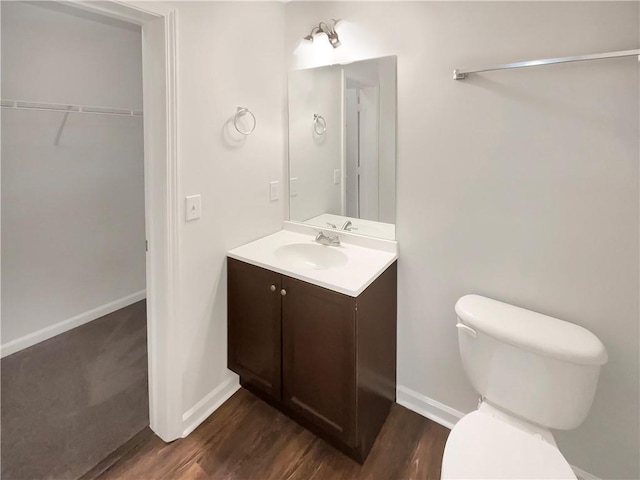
(319, 124)
(239, 113)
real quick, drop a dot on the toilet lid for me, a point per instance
(482, 446)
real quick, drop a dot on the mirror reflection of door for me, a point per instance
(361, 131)
(344, 178)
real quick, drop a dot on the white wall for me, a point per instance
(518, 185)
(226, 58)
(61, 54)
(315, 157)
(72, 214)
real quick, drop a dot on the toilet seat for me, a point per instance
(482, 446)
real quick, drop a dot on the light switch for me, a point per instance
(293, 187)
(336, 177)
(193, 205)
(274, 191)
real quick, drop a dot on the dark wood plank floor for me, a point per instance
(247, 439)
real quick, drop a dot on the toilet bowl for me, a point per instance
(534, 373)
(484, 446)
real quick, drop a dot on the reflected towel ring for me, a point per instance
(240, 112)
(319, 124)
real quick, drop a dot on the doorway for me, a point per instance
(160, 199)
(74, 367)
(361, 132)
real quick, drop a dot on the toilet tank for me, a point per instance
(540, 368)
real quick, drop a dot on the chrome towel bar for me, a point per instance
(462, 74)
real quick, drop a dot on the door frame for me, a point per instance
(162, 213)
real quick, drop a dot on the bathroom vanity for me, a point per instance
(312, 316)
(316, 340)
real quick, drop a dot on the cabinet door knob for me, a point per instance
(283, 292)
(273, 288)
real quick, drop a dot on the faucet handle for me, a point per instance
(324, 239)
(348, 226)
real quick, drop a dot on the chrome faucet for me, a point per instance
(348, 226)
(324, 239)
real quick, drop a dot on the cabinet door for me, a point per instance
(319, 357)
(255, 326)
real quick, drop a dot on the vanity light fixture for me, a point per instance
(329, 30)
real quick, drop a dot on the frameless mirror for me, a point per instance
(342, 147)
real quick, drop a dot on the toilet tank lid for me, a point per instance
(531, 331)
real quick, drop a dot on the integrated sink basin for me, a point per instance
(348, 269)
(311, 256)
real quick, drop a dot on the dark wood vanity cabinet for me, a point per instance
(318, 357)
(255, 327)
(326, 359)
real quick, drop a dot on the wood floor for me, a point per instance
(247, 439)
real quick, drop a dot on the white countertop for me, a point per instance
(363, 267)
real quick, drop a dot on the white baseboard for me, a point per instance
(447, 416)
(66, 325)
(205, 407)
(427, 407)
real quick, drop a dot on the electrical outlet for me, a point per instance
(336, 177)
(293, 187)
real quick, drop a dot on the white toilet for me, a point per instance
(533, 373)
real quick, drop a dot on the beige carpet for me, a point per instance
(68, 402)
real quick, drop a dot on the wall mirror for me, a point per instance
(342, 147)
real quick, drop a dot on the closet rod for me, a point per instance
(462, 74)
(55, 107)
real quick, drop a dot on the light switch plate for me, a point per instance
(336, 177)
(193, 207)
(274, 191)
(293, 187)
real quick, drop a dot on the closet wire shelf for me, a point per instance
(65, 108)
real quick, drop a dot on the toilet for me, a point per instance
(533, 373)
